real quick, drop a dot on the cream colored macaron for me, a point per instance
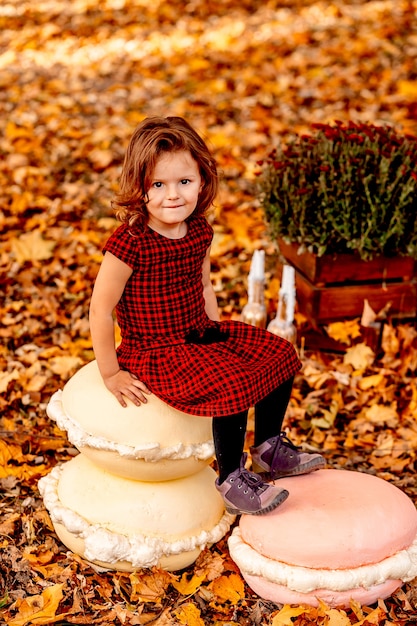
(150, 442)
(339, 536)
(125, 524)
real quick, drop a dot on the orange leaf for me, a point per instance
(285, 615)
(40, 609)
(209, 564)
(149, 587)
(407, 88)
(9, 451)
(377, 616)
(39, 559)
(337, 618)
(370, 381)
(189, 614)
(7, 526)
(187, 587)
(228, 588)
(23, 471)
(344, 331)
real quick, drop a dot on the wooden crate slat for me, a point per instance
(328, 269)
(331, 303)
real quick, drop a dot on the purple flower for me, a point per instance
(344, 187)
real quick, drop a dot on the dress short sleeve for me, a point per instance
(123, 243)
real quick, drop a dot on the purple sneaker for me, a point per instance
(245, 492)
(278, 457)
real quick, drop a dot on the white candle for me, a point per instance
(288, 292)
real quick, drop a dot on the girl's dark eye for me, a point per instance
(185, 181)
(158, 185)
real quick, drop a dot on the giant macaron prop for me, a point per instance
(340, 535)
(141, 492)
(153, 442)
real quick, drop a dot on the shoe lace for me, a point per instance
(283, 439)
(251, 480)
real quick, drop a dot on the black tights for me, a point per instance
(229, 431)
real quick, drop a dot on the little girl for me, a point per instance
(156, 275)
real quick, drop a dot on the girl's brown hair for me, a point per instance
(152, 138)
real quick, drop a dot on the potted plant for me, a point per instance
(342, 203)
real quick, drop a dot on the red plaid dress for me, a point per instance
(166, 336)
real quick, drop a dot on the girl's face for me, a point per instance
(173, 192)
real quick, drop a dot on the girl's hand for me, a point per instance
(124, 384)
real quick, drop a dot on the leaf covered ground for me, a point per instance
(76, 77)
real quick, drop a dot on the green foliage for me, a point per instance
(345, 188)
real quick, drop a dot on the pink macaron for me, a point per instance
(340, 535)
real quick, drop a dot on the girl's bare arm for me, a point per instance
(210, 299)
(108, 289)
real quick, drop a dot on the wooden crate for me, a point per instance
(332, 288)
(338, 268)
(322, 305)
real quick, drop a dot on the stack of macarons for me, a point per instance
(141, 492)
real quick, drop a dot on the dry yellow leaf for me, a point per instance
(390, 341)
(360, 356)
(8, 424)
(368, 314)
(315, 376)
(377, 616)
(159, 619)
(228, 588)
(209, 564)
(337, 618)
(285, 615)
(9, 451)
(101, 158)
(222, 243)
(6, 378)
(7, 526)
(380, 414)
(384, 445)
(64, 366)
(12, 131)
(49, 571)
(242, 227)
(198, 63)
(149, 587)
(370, 381)
(36, 383)
(23, 472)
(344, 331)
(407, 334)
(32, 247)
(187, 587)
(328, 416)
(40, 609)
(189, 614)
(411, 409)
(407, 88)
(38, 558)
